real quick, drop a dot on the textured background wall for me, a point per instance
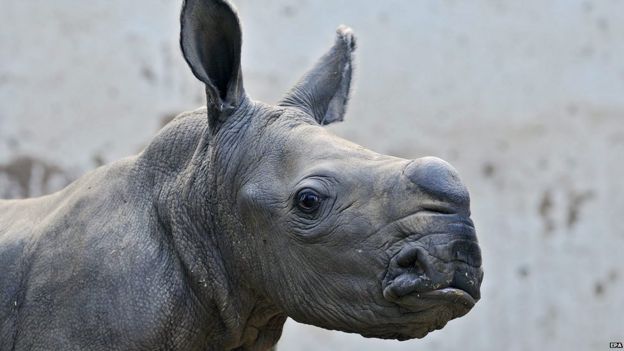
(526, 99)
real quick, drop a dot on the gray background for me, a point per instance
(525, 99)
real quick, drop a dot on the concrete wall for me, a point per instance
(526, 99)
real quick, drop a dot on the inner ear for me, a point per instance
(211, 40)
(222, 61)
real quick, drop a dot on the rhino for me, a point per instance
(235, 217)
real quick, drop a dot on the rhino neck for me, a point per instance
(177, 166)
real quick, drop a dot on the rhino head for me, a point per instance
(323, 230)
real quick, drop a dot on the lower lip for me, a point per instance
(450, 294)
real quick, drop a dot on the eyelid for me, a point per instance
(303, 190)
(322, 194)
(321, 184)
(325, 178)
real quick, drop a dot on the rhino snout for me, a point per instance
(437, 270)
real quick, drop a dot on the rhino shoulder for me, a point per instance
(94, 253)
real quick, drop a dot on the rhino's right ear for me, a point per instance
(210, 37)
(323, 92)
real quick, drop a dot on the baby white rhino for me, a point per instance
(235, 217)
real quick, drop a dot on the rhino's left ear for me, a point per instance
(323, 91)
(210, 37)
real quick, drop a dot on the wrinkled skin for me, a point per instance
(235, 217)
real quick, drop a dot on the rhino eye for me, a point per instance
(308, 200)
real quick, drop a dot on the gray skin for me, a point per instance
(235, 217)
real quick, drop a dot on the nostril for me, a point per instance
(418, 268)
(408, 257)
(409, 272)
(414, 261)
(412, 265)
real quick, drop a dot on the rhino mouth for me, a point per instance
(456, 300)
(419, 274)
(424, 312)
(429, 311)
(437, 307)
(434, 278)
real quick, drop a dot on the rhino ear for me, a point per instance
(210, 37)
(323, 91)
